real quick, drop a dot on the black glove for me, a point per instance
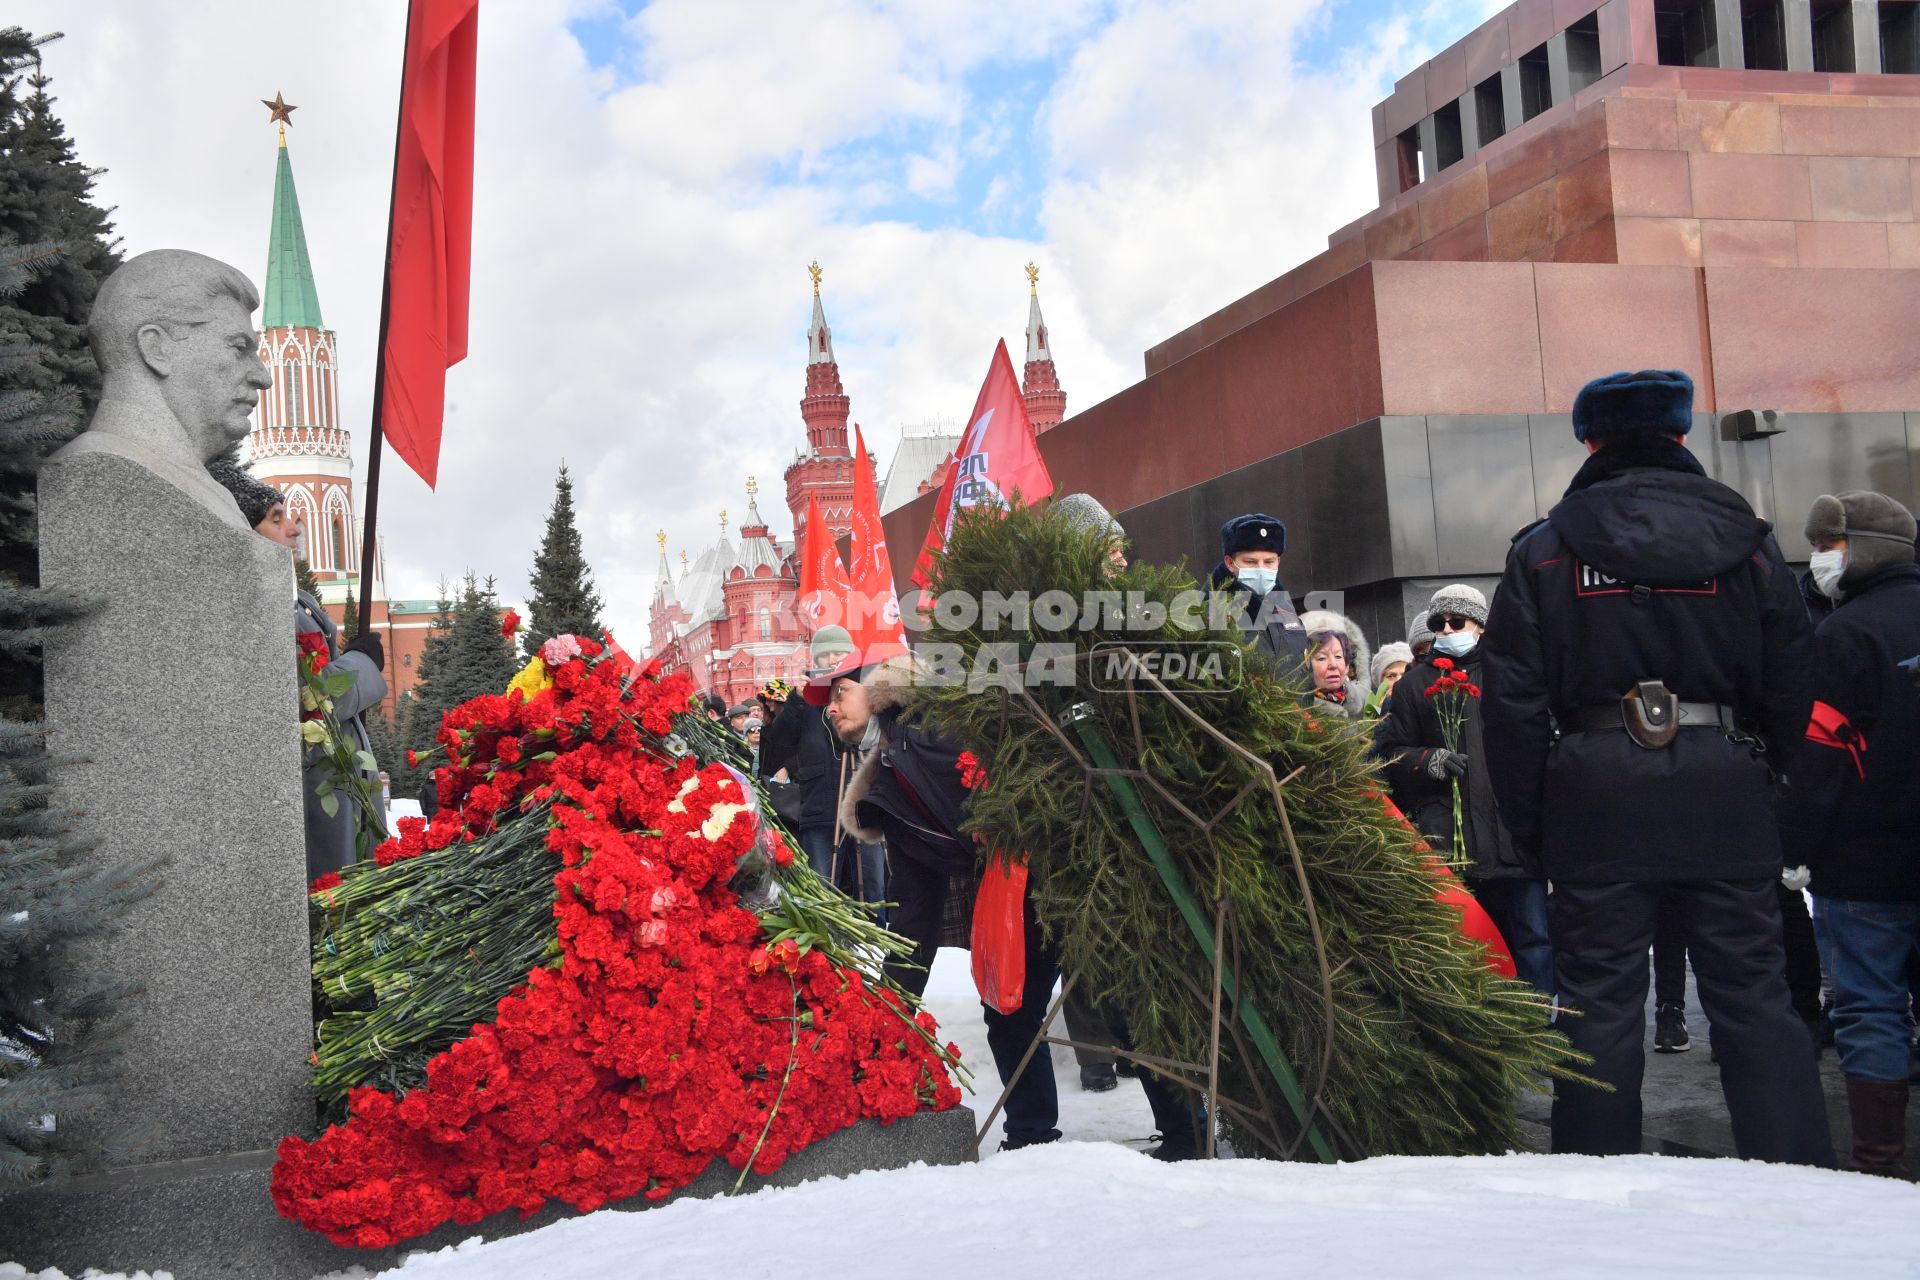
(1443, 764)
(368, 642)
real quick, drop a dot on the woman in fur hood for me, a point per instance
(1349, 695)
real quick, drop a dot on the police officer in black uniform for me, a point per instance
(1648, 671)
(1249, 575)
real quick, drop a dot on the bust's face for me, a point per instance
(216, 377)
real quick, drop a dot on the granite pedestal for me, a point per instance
(176, 699)
(212, 1219)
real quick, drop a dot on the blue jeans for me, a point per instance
(1865, 946)
(1518, 909)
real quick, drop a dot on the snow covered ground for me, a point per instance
(1091, 1206)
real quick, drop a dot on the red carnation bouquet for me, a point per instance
(659, 981)
(345, 769)
(1450, 694)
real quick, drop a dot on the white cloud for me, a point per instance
(638, 297)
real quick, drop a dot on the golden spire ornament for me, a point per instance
(813, 269)
(1033, 279)
(723, 522)
(661, 538)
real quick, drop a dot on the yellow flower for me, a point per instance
(532, 678)
(313, 732)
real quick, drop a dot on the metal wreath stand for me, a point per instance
(1242, 1021)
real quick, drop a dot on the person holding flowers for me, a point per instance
(1430, 739)
(333, 838)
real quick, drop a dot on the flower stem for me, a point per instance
(793, 1060)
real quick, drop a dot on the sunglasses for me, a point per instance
(1439, 624)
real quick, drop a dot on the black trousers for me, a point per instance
(1601, 934)
(1802, 954)
(1033, 1109)
(919, 895)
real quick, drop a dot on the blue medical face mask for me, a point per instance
(1457, 644)
(1258, 581)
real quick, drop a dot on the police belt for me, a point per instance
(1692, 715)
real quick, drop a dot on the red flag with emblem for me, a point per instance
(823, 578)
(997, 457)
(875, 614)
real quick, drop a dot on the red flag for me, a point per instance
(997, 456)
(875, 616)
(823, 578)
(430, 238)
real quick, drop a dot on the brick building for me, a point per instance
(1728, 187)
(728, 617)
(299, 445)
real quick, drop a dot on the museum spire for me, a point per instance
(825, 406)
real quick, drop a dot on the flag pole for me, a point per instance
(376, 440)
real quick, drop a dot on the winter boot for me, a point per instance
(1670, 1029)
(1879, 1109)
(1098, 1077)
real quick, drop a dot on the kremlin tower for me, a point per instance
(1040, 384)
(297, 444)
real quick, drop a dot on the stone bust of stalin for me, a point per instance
(172, 332)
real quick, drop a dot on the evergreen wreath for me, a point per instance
(1403, 1039)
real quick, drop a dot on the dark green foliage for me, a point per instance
(564, 601)
(303, 579)
(1428, 1051)
(350, 616)
(56, 1057)
(466, 657)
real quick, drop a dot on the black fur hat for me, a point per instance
(255, 498)
(1659, 400)
(1253, 532)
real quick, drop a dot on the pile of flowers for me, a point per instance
(665, 1023)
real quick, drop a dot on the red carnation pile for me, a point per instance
(665, 1033)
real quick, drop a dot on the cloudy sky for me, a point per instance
(653, 178)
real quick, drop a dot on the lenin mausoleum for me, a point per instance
(1728, 187)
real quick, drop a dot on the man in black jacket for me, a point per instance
(1651, 620)
(801, 741)
(1249, 574)
(1851, 816)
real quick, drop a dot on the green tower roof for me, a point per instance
(291, 300)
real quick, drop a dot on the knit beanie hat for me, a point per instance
(1391, 652)
(1460, 600)
(829, 645)
(1083, 513)
(1878, 530)
(254, 497)
(1418, 632)
(1652, 400)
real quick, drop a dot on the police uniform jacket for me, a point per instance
(1269, 623)
(1646, 570)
